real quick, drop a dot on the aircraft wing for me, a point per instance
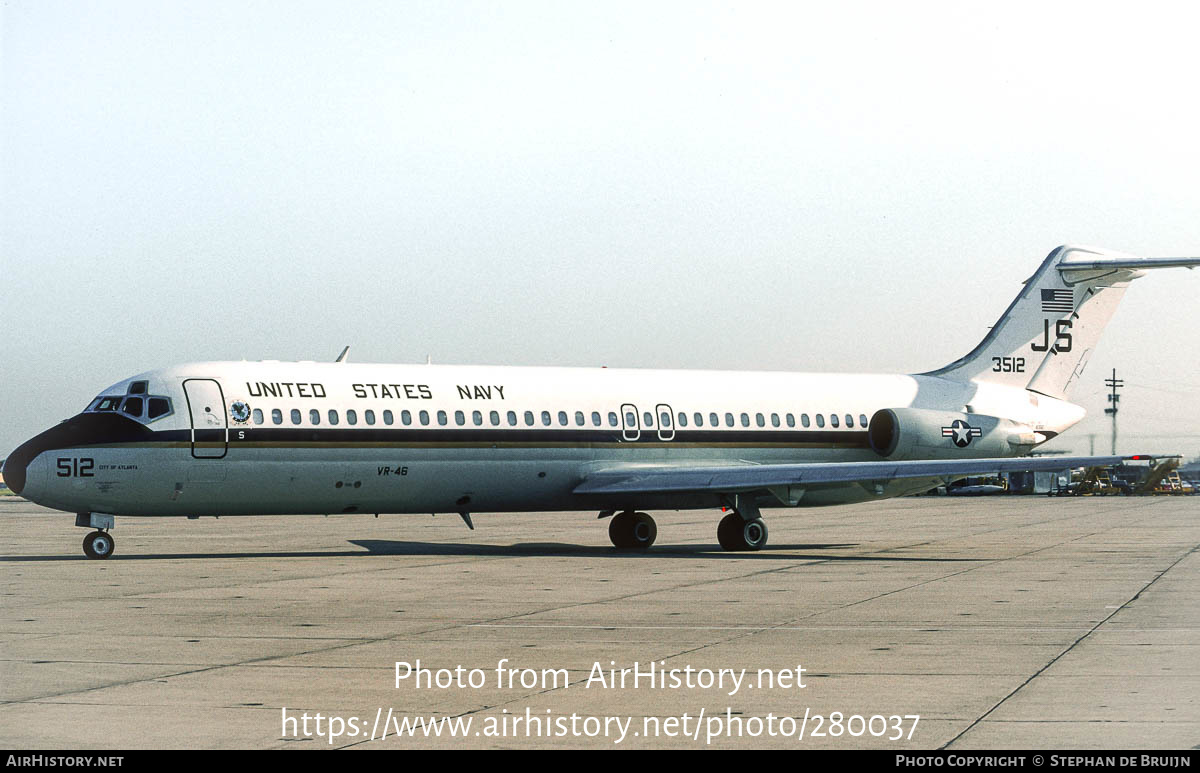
(658, 479)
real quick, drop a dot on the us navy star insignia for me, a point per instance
(962, 433)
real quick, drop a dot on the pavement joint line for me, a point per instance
(371, 640)
(742, 633)
(1070, 647)
(706, 581)
(794, 564)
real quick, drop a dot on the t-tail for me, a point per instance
(1044, 339)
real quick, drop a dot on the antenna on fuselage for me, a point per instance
(342, 357)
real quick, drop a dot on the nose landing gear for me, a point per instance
(99, 544)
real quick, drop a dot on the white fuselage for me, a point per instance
(244, 438)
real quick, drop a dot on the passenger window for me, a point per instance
(612, 419)
(713, 420)
(728, 419)
(649, 417)
(405, 417)
(477, 418)
(545, 418)
(664, 420)
(389, 417)
(442, 418)
(333, 416)
(352, 416)
(579, 420)
(562, 418)
(276, 416)
(495, 417)
(862, 420)
(424, 415)
(296, 416)
(745, 420)
(528, 418)
(159, 406)
(791, 420)
(512, 418)
(820, 420)
(369, 415)
(595, 418)
(682, 419)
(630, 419)
(833, 420)
(804, 419)
(257, 416)
(774, 419)
(699, 419)
(314, 417)
(132, 407)
(459, 418)
(760, 420)
(849, 420)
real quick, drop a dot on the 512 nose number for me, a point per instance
(75, 468)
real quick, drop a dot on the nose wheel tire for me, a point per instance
(99, 544)
(629, 530)
(735, 533)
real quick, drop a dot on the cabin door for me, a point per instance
(210, 423)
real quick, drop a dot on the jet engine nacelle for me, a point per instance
(918, 433)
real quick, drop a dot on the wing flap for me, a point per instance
(749, 477)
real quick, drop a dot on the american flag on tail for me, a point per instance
(1058, 301)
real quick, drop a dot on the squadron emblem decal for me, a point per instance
(240, 411)
(961, 432)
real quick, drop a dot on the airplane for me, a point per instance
(268, 438)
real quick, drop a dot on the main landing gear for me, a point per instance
(736, 533)
(98, 544)
(632, 530)
(740, 530)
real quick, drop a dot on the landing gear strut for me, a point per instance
(737, 533)
(632, 530)
(98, 544)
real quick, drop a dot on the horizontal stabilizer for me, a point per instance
(1080, 260)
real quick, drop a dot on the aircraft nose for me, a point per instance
(14, 467)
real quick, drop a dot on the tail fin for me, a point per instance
(1044, 339)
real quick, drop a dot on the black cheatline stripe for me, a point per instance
(567, 436)
(535, 436)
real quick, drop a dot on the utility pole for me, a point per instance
(1113, 383)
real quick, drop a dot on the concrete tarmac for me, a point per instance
(1001, 622)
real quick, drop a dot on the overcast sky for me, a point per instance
(794, 186)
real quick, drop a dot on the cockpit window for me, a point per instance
(134, 404)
